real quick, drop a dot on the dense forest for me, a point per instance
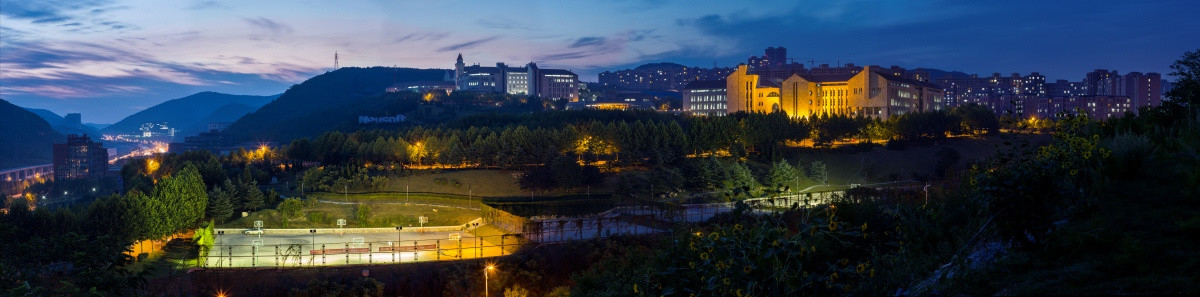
(622, 138)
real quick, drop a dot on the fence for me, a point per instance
(631, 220)
(624, 220)
(502, 219)
(361, 253)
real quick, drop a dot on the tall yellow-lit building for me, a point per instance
(869, 92)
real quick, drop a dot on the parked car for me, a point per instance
(253, 231)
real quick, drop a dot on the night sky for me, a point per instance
(109, 59)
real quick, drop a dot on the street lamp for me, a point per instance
(398, 228)
(490, 267)
(314, 240)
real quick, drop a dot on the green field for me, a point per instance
(400, 197)
(478, 182)
(325, 215)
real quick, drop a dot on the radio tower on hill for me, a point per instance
(335, 60)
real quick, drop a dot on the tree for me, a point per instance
(220, 208)
(178, 202)
(1186, 71)
(818, 172)
(782, 175)
(976, 119)
(946, 159)
(204, 238)
(739, 177)
(516, 291)
(290, 207)
(116, 215)
(252, 198)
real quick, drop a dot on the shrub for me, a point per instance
(319, 217)
(290, 207)
(361, 213)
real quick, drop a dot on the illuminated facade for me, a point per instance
(422, 87)
(553, 84)
(660, 76)
(870, 92)
(79, 157)
(705, 98)
(1102, 93)
(1142, 89)
(1098, 107)
(751, 92)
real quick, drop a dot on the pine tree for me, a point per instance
(252, 198)
(220, 208)
(818, 173)
(782, 175)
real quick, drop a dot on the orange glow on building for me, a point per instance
(869, 92)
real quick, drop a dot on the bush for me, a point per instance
(290, 207)
(319, 217)
(361, 213)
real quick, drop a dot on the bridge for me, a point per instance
(28, 172)
(11, 178)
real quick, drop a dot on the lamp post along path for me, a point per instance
(485, 279)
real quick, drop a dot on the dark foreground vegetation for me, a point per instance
(1104, 208)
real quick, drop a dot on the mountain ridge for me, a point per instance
(185, 113)
(25, 138)
(332, 92)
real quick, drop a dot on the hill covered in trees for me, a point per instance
(61, 125)
(321, 97)
(188, 112)
(25, 138)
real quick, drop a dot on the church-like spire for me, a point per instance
(460, 58)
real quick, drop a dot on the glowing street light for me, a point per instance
(490, 267)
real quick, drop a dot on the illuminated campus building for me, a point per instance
(79, 157)
(553, 84)
(660, 76)
(705, 98)
(872, 91)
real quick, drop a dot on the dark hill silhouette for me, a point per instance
(61, 125)
(328, 93)
(228, 113)
(936, 74)
(25, 138)
(184, 113)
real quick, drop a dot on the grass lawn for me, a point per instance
(416, 198)
(325, 215)
(476, 182)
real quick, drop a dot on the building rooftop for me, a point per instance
(827, 77)
(556, 71)
(906, 80)
(706, 84)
